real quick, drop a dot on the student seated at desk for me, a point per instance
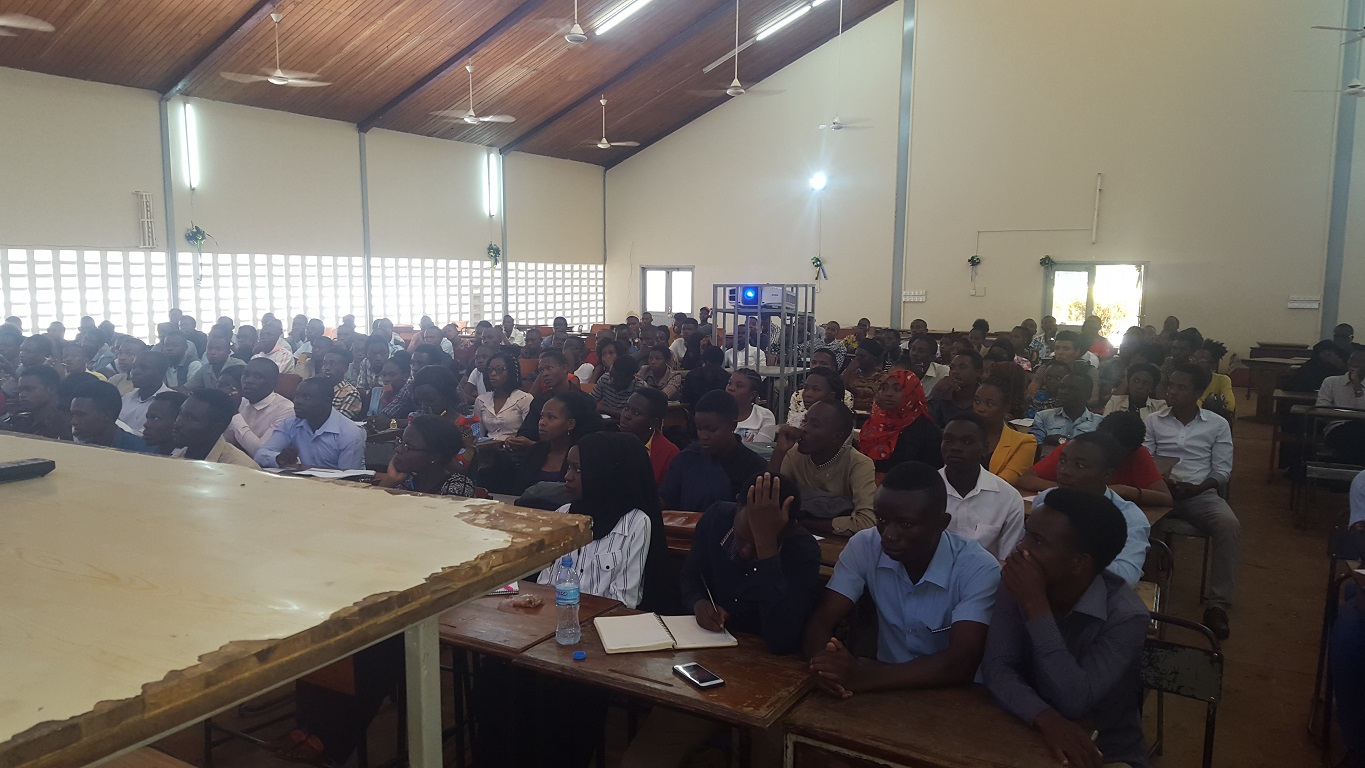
(658, 371)
(756, 424)
(1042, 390)
(552, 378)
(156, 431)
(1088, 464)
(1325, 360)
(331, 368)
(199, 428)
(956, 394)
(1008, 452)
(984, 508)
(317, 436)
(618, 382)
(821, 383)
(864, 376)
(425, 458)
(1057, 425)
(94, 413)
(1346, 438)
(262, 409)
(900, 429)
(1218, 397)
(922, 351)
(567, 418)
(717, 465)
(1066, 637)
(34, 409)
(149, 379)
(1136, 477)
(503, 409)
(643, 417)
(763, 571)
(830, 473)
(707, 377)
(1141, 380)
(933, 591)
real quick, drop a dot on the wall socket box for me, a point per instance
(1305, 302)
(978, 290)
(913, 296)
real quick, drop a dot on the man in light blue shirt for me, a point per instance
(934, 593)
(317, 436)
(1087, 464)
(1055, 426)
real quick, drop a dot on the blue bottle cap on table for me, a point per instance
(579, 655)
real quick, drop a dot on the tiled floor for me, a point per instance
(1270, 656)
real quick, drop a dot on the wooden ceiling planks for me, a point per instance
(113, 41)
(379, 54)
(662, 97)
(531, 72)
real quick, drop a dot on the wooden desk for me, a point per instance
(946, 728)
(759, 687)
(1265, 374)
(490, 626)
(130, 612)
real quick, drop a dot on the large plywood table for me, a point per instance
(141, 594)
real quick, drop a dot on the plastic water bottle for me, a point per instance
(567, 630)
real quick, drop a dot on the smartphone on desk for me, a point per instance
(698, 675)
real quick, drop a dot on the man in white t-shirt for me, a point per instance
(679, 345)
(742, 355)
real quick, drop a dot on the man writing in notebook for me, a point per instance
(933, 591)
(752, 569)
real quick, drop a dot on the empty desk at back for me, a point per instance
(945, 728)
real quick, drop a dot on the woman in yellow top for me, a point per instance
(1218, 396)
(1011, 452)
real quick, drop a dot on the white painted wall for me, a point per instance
(270, 182)
(427, 197)
(554, 210)
(1217, 172)
(730, 192)
(71, 156)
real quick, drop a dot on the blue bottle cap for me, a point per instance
(579, 655)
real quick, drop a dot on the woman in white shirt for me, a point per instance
(1142, 379)
(756, 423)
(611, 480)
(503, 408)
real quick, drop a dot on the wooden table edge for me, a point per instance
(234, 673)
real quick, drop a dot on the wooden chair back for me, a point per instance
(288, 385)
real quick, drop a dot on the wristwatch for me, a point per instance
(1061, 440)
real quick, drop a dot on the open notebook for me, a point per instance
(652, 632)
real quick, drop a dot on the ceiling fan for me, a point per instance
(603, 143)
(277, 76)
(736, 88)
(1356, 34)
(12, 21)
(837, 124)
(575, 35)
(470, 117)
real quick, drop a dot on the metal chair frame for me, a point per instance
(1176, 677)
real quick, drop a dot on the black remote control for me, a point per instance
(25, 469)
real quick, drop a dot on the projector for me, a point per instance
(763, 297)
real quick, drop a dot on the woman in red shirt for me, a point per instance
(1136, 478)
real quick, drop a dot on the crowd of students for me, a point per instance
(927, 491)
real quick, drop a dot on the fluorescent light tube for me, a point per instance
(623, 13)
(776, 26)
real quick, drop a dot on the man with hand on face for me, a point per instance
(200, 426)
(345, 397)
(933, 591)
(1087, 464)
(1054, 426)
(268, 346)
(1202, 441)
(826, 464)
(1066, 637)
(763, 571)
(317, 436)
(149, 379)
(262, 410)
